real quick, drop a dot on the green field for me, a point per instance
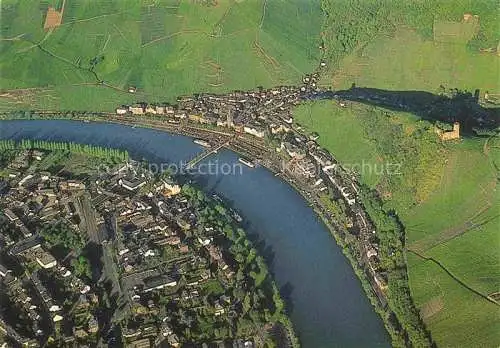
(459, 318)
(383, 147)
(338, 128)
(164, 48)
(446, 195)
(458, 226)
(408, 45)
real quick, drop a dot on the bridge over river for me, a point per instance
(327, 304)
(209, 151)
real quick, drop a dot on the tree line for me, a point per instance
(83, 149)
(255, 290)
(391, 239)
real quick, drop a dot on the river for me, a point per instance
(328, 305)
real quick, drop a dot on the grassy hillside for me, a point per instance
(407, 45)
(455, 316)
(455, 222)
(352, 24)
(384, 147)
(164, 48)
(406, 61)
(446, 195)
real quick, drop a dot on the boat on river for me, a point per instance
(246, 162)
(237, 217)
(202, 143)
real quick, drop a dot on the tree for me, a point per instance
(81, 267)
(61, 234)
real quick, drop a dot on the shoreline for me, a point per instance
(282, 322)
(359, 265)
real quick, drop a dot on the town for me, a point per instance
(124, 257)
(259, 126)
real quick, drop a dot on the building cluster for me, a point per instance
(257, 113)
(163, 258)
(157, 259)
(268, 113)
(317, 173)
(39, 284)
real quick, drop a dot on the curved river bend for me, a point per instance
(328, 305)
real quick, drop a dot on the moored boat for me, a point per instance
(236, 216)
(202, 142)
(246, 162)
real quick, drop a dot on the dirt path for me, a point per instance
(264, 6)
(15, 38)
(49, 32)
(92, 18)
(458, 280)
(173, 35)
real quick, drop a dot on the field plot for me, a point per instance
(163, 48)
(401, 58)
(460, 318)
(456, 32)
(467, 190)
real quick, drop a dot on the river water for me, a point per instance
(328, 306)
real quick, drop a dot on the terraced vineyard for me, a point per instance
(163, 48)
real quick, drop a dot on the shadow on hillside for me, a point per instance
(456, 105)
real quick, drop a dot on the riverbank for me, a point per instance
(241, 278)
(328, 307)
(259, 150)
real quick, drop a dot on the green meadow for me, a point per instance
(163, 48)
(447, 200)
(406, 61)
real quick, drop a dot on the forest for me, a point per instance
(83, 149)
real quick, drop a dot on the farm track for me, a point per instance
(454, 277)
(167, 37)
(15, 38)
(92, 18)
(448, 235)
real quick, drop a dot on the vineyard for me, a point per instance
(163, 49)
